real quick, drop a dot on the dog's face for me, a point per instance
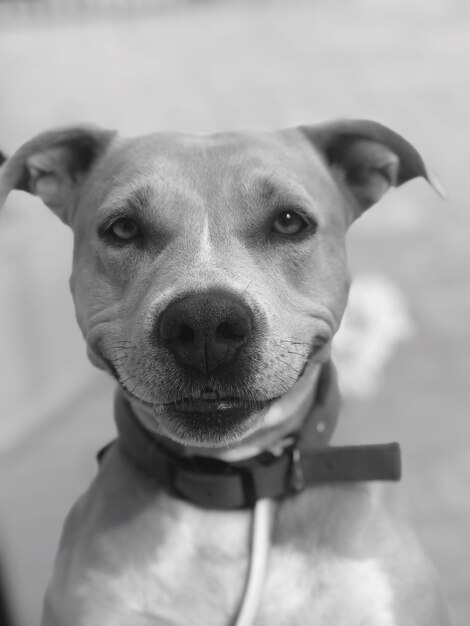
(209, 270)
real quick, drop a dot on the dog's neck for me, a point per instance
(281, 458)
(284, 416)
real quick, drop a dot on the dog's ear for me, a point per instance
(367, 158)
(54, 165)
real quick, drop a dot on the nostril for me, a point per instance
(232, 331)
(171, 329)
(186, 334)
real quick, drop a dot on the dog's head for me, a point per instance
(209, 270)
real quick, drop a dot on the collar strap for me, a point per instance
(303, 461)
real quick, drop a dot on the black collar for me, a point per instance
(303, 461)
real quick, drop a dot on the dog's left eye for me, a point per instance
(124, 229)
(289, 223)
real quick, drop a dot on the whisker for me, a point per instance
(296, 342)
(289, 365)
(248, 286)
(135, 387)
(284, 385)
(147, 392)
(126, 380)
(305, 355)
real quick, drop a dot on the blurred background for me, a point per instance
(203, 66)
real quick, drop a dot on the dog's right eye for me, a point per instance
(123, 229)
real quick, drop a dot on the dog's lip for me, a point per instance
(208, 401)
(118, 378)
(209, 405)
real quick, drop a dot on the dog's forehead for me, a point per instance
(217, 148)
(215, 170)
(215, 160)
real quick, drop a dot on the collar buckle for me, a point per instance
(296, 474)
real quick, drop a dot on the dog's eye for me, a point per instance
(289, 223)
(124, 229)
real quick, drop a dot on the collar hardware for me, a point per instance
(297, 478)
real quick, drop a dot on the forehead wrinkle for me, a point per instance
(273, 189)
(136, 192)
(153, 192)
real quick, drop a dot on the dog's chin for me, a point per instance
(210, 424)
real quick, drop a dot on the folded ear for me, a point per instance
(54, 166)
(366, 158)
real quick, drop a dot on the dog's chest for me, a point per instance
(192, 564)
(322, 589)
(174, 563)
(201, 572)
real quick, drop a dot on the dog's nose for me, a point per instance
(205, 330)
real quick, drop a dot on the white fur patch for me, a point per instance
(205, 248)
(334, 591)
(193, 571)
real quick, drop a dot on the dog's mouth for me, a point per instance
(206, 415)
(225, 405)
(199, 421)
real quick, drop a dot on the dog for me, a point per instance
(209, 277)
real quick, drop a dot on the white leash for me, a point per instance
(259, 554)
